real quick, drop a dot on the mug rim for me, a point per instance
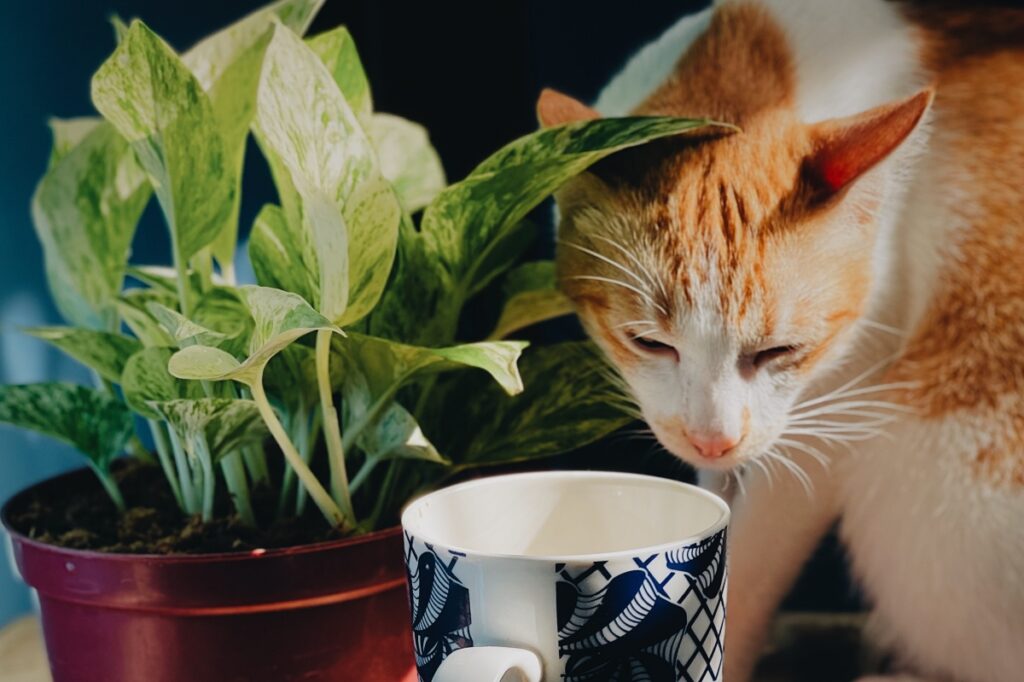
(721, 523)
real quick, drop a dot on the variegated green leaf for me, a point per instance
(277, 255)
(530, 297)
(472, 218)
(407, 159)
(211, 57)
(145, 379)
(207, 363)
(330, 185)
(104, 352)
(568, 402)
(95, 423)
(279, 319)
(136, 316)
(156, 103)
(227, 65)
(85, 210)
(222, 310)
(337, 51)
(184, 331)
(388, 365)
(223, 425)
(394, 434)
(68, 133)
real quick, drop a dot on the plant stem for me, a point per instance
(306, 450)
(234, 476)
(110, 485)
(188, 493)
(385, 492)
(327, 506)
(164, 455)
(209, 480)
(331, 425)
(364, 472)
(181, 267)
(256, 464)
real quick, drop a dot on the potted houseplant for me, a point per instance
(291, 418)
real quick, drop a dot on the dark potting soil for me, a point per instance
(77, 514)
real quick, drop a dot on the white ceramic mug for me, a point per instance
(567, 576)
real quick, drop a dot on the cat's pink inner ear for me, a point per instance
(555, 108)
(845, 149)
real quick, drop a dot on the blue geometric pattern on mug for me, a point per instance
(658, 617)
(439, 602)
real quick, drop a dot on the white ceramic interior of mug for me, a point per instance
(565, 515)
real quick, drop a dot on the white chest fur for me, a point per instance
(940, 554)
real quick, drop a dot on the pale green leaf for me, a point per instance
(393, 434)
(382, 367)
(145, 379)
(328, 178)
(222, 310)
(279, 318)
(227, 65)
(212, 56)
(120, 28)
(97, 424)
(104, 352)
(184, 331)
(85, 211)
(204, 363)
(220, 424)
(156, 103)
(407, 159)
(531, 296)
(68, 133)
(337, 50)
(568, 402)
(277, 255)
(136, 316)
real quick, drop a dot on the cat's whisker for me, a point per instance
(615, 264)
(873, 324)
(634, 323)
(640, 292)
(794, 468)
(645, 334)
(738, 475)
(850, 384)
(767, 474)
(848, 405)
(809, 450)
(854, 392)
(653, 281)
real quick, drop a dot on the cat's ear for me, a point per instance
(554, 108)
(846, 148)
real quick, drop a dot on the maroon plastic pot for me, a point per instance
(329, 611)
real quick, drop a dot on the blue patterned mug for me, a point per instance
(570, 576)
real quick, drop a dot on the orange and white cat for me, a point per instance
(831, 298)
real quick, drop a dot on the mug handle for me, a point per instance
(489, 664)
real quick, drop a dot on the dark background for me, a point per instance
(470, 72)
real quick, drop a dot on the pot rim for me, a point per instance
(124, 557)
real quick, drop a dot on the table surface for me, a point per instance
(805, 648)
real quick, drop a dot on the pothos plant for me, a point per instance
(350, 338)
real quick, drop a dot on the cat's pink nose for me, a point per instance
(713, 445)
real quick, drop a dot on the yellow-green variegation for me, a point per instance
(85, 210)
(339, 209)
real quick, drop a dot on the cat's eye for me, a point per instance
(768, 355)
(653, 347)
